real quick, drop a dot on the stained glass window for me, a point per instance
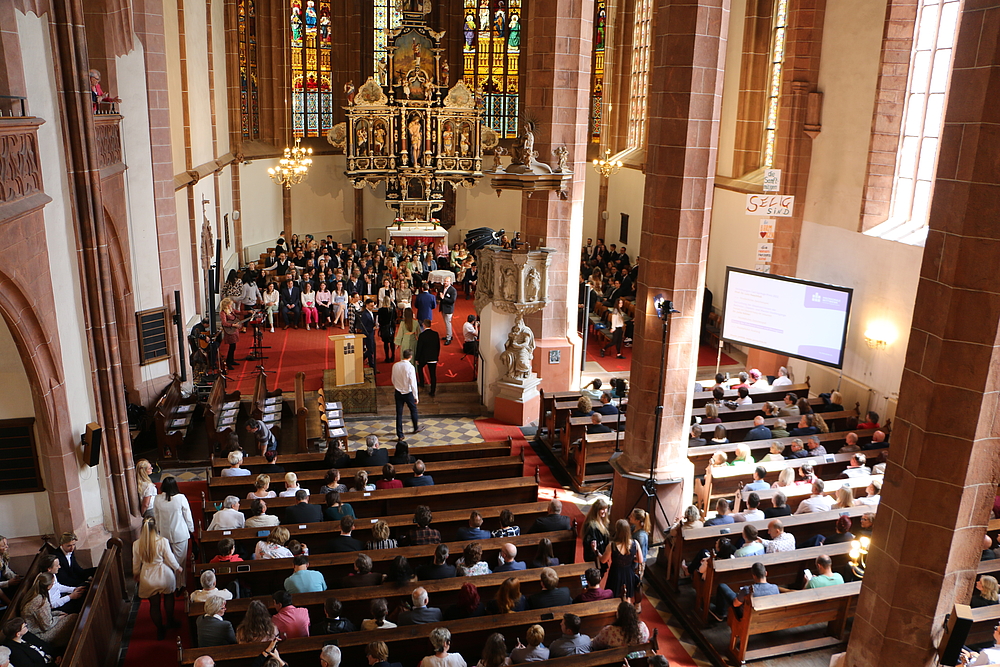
(491, 33)
(774, 86)
(246, 19)
(597, 86)
(311, 34)
(639, 79)
(386, 16)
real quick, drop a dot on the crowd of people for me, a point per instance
(607, 277)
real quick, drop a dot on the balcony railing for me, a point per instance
(20, 168)
(107, 127)
(13, 106)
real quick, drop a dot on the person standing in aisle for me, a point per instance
(428, 353)
(448, 296)
(404, 383)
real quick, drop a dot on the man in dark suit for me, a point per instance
(419, 477)
(420, 613)
(372, 455)
(474, 530)
(427, 353)
(508, 559)
(345, 542)
(367, 326)
(552, 521)
(551, 594)
(290, 303)
(425, 303)
(448, 296)
(595, 425)
(606, 407)
(302, 511)
(71, 573)
(695, 439)
(213, 630)
(439, 569)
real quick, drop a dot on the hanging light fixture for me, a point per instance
(293, 167)
(607, 167)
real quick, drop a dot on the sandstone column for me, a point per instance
(556, 68)
(943, 474)
(689, 39)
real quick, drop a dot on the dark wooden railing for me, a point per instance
(97, 638)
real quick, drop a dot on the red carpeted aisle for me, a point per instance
(295, 350)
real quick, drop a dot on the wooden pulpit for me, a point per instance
(349, 359)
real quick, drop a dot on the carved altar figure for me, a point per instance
(562, 154)
(518, 352)
(532, 285)
(509, 286)
(523, 150)
(416, 139)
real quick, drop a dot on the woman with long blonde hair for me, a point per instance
(641, 526)
(230, 323)
(596, 533)
(54, 627)
(156, 570)
(845, 498)
(147, 490)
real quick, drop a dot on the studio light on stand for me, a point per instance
(664, 309)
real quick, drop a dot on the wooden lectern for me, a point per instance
(349, 359)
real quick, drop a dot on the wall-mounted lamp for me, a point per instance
(879, 335)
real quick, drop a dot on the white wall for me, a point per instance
(261, 202)
(731, 88)
(324, 202)
(626, 191)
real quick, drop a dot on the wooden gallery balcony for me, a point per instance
(107, 131)
(21, 188)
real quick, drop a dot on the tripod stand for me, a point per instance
(257, 348)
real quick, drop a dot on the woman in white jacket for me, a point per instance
(173, 519)
(154, 567)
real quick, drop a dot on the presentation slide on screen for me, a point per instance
(786, 316)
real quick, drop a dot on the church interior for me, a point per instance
(358, 252)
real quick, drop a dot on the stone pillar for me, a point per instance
(943, 474)
(685, 96)
(556, 68)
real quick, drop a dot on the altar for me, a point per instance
(412, 233)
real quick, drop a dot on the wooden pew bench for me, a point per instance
(442, 592)
(96, 640)
(547, 413)
(784, 569)
(315, 460)
(745, 412)
(18, 599)
(772, 395)
(266, 405)
(701, 456)
(832, 605)
(467, 495)
(797, 493)
(409, 643)
(309, 427)
(448, 522)
(221, 413)
(736, 431)
(173, 415)
(269, 575)
(443, 472)
(589, 467)
(577, 428)
(684, 545)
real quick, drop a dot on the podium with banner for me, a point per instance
(349, 359)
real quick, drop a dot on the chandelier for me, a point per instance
(607, 167)
(293, 167)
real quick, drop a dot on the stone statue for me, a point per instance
(509, 286)
(562, 154)
(532, 285)
(522, 151)
(518, 352)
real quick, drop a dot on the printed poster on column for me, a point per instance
(770, 206)
(767, 229)
(764, 252)
(772, 180)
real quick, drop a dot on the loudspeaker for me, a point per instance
(92, 444)
(956, 632)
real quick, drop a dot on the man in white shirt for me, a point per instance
(752, 512)
(857, 467)
(782, 380)
(404, 382)
(260, 518)
(229, 517)
(988, 656)
(817, 502)
(874, 492)
(780, 540)
(61, 597)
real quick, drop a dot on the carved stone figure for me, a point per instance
(518, 352)
(562, 154)
(349, 92)
(532, 285)
(523, 149)
(509, 286)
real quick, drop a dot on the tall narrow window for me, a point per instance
(246, 19)
(311, 34)
(491, 33)
(597, 86)
(639, 80)
(923, 120)
(386, 16)
(774, 90)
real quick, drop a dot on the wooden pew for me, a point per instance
(588, 468)
(306, 421)
(409, 643)
(577, 427)
(724, 481)
(173, 415)
(701, 456)
(438, 497)
(443, 472)
(271, 573)
(24, 588)
(684, 545)
(266, 405)
(736, 431)
(547, 413)
(442, 592)
(832, 605)
(314, 460)
(448, 522)
(221, 413)
(745, 412)
(774, 396)
(783, 569)
(795, 494)
(96, 640)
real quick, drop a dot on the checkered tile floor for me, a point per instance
(439, 431)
